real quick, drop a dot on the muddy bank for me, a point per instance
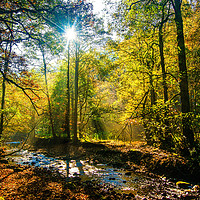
(23, 182)
(28, 182)
(135, 156)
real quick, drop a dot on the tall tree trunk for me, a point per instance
(166, 137)
(80, 125)
(152, 91)
(75, 138)
(48, 97)
(7, 56)
(184, 93)
(162, 61)
(67, 120)
(2, 106)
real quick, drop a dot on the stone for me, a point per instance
(196, 188)
(3, 161)
(128, 173)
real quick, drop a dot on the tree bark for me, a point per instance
(166, 138)
(67, 116)
(7, 56)
(152, 91)
(184, 93)
(162, 60)
(2, 106)
(48, 97)
(75, 138)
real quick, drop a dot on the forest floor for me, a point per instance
(28, 182)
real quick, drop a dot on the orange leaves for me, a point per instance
(132, 121)
(29, 27)
(91, 23)
(33, 1)
(26, 80)
(25, 73)
(7, 5)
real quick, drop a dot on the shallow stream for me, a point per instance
(83, 169)
(120, 179)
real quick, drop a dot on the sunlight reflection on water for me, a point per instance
(78, 168)
(124, 181)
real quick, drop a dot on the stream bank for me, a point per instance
(131, 161)
(135, 156)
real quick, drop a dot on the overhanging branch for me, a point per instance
(24, 91)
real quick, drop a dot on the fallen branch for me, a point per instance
(131, 117)
(24, 141)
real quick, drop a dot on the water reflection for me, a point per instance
(78, 168)
(121, 180)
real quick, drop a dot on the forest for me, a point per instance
(130, 74)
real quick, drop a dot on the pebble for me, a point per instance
(3, 161)
(128, 173)
(196, 188)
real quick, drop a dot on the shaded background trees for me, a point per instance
(36, 25)
(143, 84)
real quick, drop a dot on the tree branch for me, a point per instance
(24, 91)
(130, 7)
(24, 140)
(131, 117)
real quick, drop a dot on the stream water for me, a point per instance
(119, 179)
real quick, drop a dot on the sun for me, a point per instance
(70, 34)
